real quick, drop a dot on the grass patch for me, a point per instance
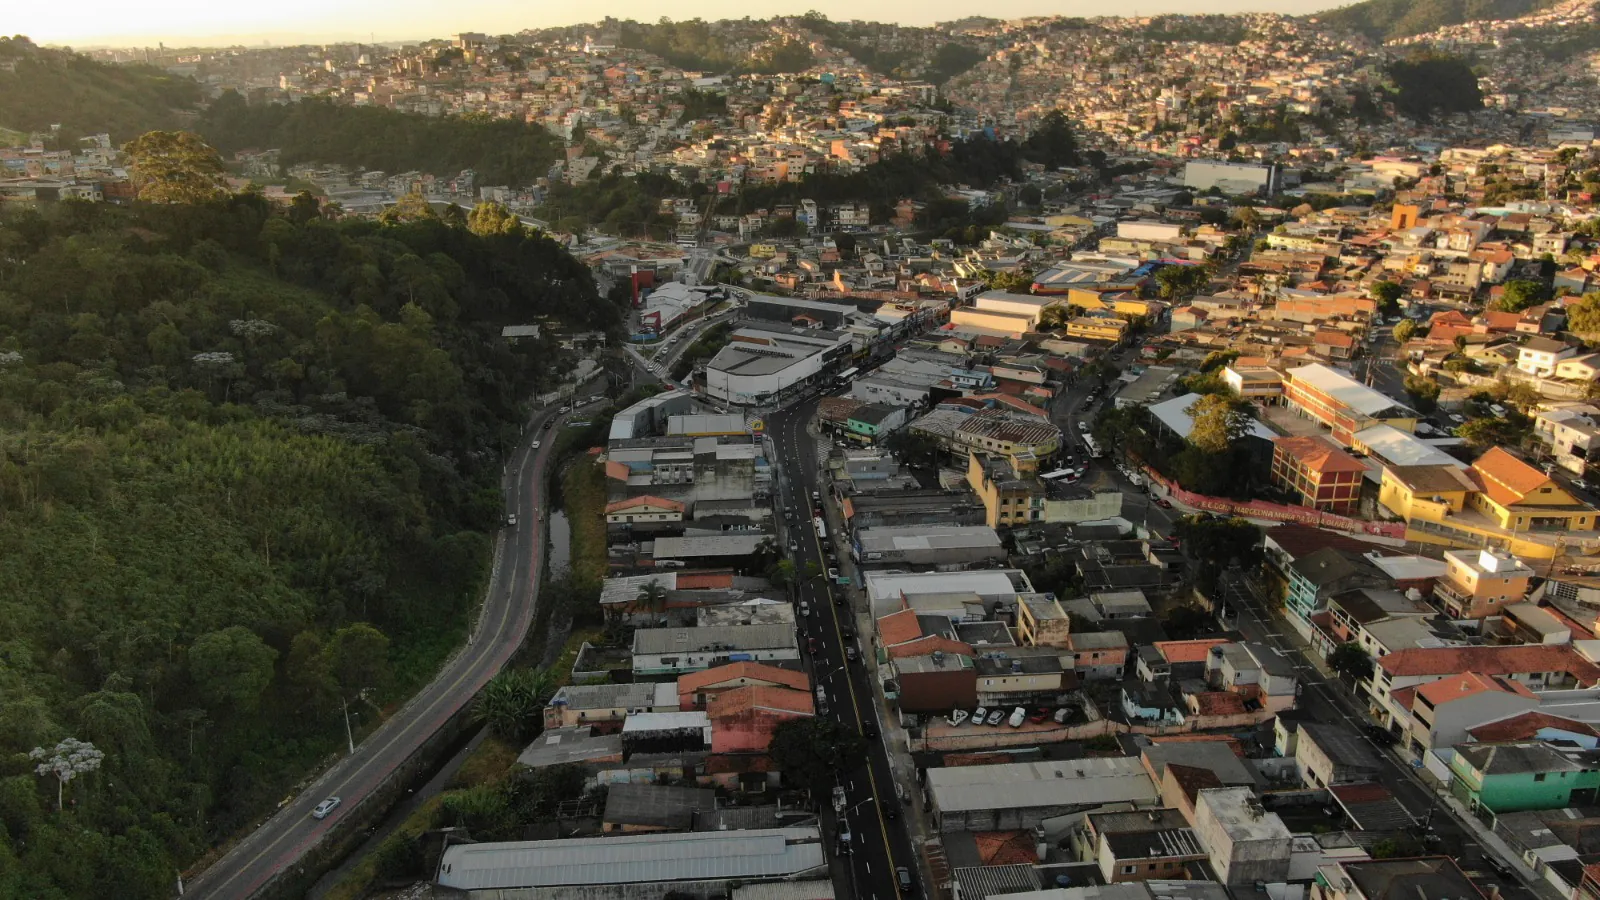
(583, 495)
(490, 763)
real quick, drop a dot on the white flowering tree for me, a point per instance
(67, 761)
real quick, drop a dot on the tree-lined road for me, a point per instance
(281, 841)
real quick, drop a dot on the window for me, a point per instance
(1129, 870)
(1539, 777)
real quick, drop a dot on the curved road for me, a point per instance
(283, 839)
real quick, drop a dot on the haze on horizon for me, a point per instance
(178, 23)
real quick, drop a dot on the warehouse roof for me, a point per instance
(632, 859)
(1073, 782)
(1347, 391)
(716, 637)
(907, 538)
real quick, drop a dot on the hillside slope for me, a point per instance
(57, 87)
(1388, 19)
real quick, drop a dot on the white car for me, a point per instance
(957, 717)
(564, 409)
(1018, 716)
(325, 807)
(1083, 427)
(535, 445)
(1580, 484)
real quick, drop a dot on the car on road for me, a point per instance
(805, 608)
(548, 423)
(564, 409)
(1164, 503)
(325, 807)
(535, 445)
(833, 574)
(1580, 484)
(903, 876)
(1083, 427)
(1499, 866)
(851, 654)
(811, 645)
(995, 717)
(1381, 736)
(794, 547)
(511, 520)
(890, 810)
(869, 731)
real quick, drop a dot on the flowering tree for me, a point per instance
(68, 760)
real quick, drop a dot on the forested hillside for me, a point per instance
(248, 473)
(1387, 19)
(56, 87)
(500, 151)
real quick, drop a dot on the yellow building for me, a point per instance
(1123, 303)
(1500, 501)
(1014, 324)
(1098, 329)
(1481, 584)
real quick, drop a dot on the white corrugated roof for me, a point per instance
(632, 859)
(1344, 389)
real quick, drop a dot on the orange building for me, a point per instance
(1321, 475)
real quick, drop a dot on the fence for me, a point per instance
(1277, 512)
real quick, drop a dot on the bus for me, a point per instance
(822, 530)
(1057, 475)
(1092, 446)
(844, 378)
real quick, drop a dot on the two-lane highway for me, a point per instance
(278, 845)
(873, 810)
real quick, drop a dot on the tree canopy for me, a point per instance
(175, 167)
(249, 468)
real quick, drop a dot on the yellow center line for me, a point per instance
(849, 683)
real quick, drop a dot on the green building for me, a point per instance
(1534, 775)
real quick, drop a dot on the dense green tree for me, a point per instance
(1583, 317)
(510, 704)
(304, 207)
(1429, 83)
(230, 668)
(1219, 422)
(1351, 662)
(1388, 294)
(1052, 143)
(1405, 330)
(413, 207)
(1424, 392)
(1518, 294)
(807, 751)
(490, 218)
(1182, 281)
(175, 167)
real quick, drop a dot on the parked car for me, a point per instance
(1039, 715)
(979, 714)
(1383, 737)
(1062, 715)
(847, 631)
(805, 608)
(903, 876)
(1580, 484)
(811, 645)
(1018, 716)
(1499, 866)
(325, 807)
(995, 717)
(833, 575)
(1164, 503)
(890, 810)
(564, 409)
(957, 717)
(794, 547)
(839, 798)
(851, 654)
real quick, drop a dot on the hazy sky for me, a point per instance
(144, 22)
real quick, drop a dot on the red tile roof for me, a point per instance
(778, 700)
(1511, 660)
(899, 627)
(1360, 793)
(1468, 684)
(703, 581)
(1218, 703)
(1298, 540)
(1188, 651)
(1506, 479)
(616, 470)
(1318, 454)
(1524, 726)
(1006, 848)
(925, 646)
(1404, 697)
(694, 681)
(644, 500)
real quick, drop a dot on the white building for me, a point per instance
(1230, 178)
(763, 361)
(1573, 433)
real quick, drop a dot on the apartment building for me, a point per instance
(1480, 584)
(1341, 403)
(1318, 473)
(1573, 434)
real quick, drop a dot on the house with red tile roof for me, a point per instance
(697, 689)
(743, 719)
(1539, 667)
(1534, 726)
(1442, 711)
(644, 509)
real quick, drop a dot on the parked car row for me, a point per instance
(985, 716)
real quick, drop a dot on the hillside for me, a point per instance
(55, 87)
(248, 470)
(1388, 19)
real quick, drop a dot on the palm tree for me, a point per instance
(652, 597)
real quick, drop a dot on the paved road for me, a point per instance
(879, 842)
(280, 841)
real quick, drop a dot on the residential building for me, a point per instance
(606, 705)
(1259, 676)
(926, 546)
(1095, 328)
(1316, 576)
(1141, 846)
(1041, 621)
(641, 808)
(1573, 434)
(935, 682)
(1330, 754)
(1539, 355)
(1247, 845)
(1257, 384)
(1391, 879)
(1480, 584)
(1231, 178)
(697, 689)
(1318, 473)
(1524, 775)
(1442, 711)
(1540, 667)
(743, 719)
(643, 510)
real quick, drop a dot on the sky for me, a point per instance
(121, 23)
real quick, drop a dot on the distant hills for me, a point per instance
(40, 87)
(1388, 19)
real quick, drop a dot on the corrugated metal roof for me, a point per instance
(632, 859)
